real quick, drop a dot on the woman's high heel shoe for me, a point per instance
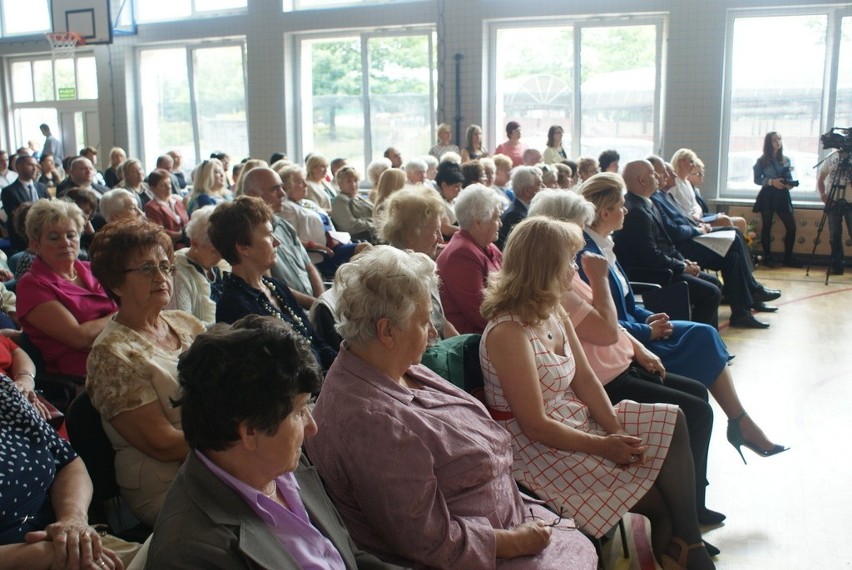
(735, 437)
(680, 560)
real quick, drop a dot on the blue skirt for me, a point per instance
(694, 350)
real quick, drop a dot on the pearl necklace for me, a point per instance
(294, 319)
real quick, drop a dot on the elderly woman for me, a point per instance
(46, 493)
(132, 374)
(119, 204)
(61, 305)
(470, 257)
(166, 209)
(415, 171)
(414, 222)
(242, 232)
(133, 179)
(445, 143)
(374, 171)
(554, 152)
(473, 148)
(587, 166)
(319, 189)
(246, 492)
(391, 180)
(49, 176)
(209, 186)
(624, 366)
(691, 349)
(571, 446)
(198, 278)
(112, 174)
(352, 213)
(385, 422)
(313, 224)
(449, 181)
(513, 147)
(564, 176)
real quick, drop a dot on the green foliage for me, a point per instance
(617, 49)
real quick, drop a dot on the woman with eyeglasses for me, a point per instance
(132, 369)
(61, 305)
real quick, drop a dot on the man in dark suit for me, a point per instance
(644, 243)
(246, 496)
(81, 175)
(24, 189)
(526, 182)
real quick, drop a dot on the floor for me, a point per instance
(795, 380)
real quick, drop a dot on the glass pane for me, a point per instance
(81, 140)
(620, 119)
(211, 5)
(164, 101)
(27, 122)
(43, 74)
(66, 85)
(781, 91)
(25, 16)
(332, 109)
(87, 78)
(161, 10)
(843, 111)
(534, 86)
(290, 5)
(221, 104)
(22, 82)
(400, 103)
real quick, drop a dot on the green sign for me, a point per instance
(66, 93)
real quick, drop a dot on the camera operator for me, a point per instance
(773, 173)
(835, 174)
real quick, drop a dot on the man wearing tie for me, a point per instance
(24, 189)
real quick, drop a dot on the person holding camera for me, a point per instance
(834, 185)
(773, 173)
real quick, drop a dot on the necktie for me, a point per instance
(33, 193)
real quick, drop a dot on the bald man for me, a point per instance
(643, 243)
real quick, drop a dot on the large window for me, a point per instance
(161, 10)
(360, 94)
(599, 82)
(193, 100)
(776, 70)
(22, 17)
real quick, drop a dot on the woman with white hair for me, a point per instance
(470, 257)
(198, 278)
(415, 171)
(386, 422)
(133, 179)
(119, 204)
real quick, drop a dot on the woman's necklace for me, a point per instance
(294, 319)
(73, 276)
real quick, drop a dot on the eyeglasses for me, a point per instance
(556, 523)
(150, 269)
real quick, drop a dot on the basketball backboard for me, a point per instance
(89, 18)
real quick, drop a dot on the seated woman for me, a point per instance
(390, 181)
(313, 224)
(198, 278)
(209, 186)
(414, 222)
(572, 447)
(443, 466)
(627, 370)
(61, 305)
(242, 232)
(133, 180)
(245, 409)
(687, 348)
(470, 257)
(352, 213)
(17, 366)
(44, 522)
(449, 180)
(318, 190)
(132, 368)
(119, 204)
(166, 209)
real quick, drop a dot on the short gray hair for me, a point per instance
(113, 202)
(375, 169)
(415, 165)
(523, 177)
(198, 224)
(476, 203)
(563, 205)
(382, 282)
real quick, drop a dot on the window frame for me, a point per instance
(578, 23)
(4, 33)
(828, 103)
(301, 118)
(194, 13)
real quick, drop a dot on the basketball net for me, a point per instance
(63, 44)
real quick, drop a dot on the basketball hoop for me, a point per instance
(63, 44)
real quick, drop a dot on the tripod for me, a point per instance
(835, 204)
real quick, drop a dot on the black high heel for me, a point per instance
(735, 437)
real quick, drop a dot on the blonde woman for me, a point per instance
(209, 186)
(444, 144)
(390, 181)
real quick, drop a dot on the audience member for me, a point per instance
(119, 204)
(319, 190)
(49, 175)
(553, 151)
(608, 161)
(445, 143)
(390, 181)
(473, 148)
(394, 156)
(24, 189)
(449, 180)
(526, 182)
(111, 174)
(352, 213)
(81, 174)
(209, 186)
(166, 209)
(513, 147)
(133, 180)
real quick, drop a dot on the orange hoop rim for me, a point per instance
(62, 39)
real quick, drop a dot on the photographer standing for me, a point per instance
(835, 172)
(773, 173)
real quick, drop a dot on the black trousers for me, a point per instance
(705, 294)
(691, 395)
